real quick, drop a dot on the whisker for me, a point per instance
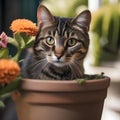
(42, 68)
(39, 56)
(79, 71)
(36, 73)
(72, 71)
(37, 63)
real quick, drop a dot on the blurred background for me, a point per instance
(104, 51)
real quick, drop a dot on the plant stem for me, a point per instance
(16, 57)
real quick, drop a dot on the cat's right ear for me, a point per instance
(44, 16)
(82, 20)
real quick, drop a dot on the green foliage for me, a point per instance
(5, 91)
(20, 41)
(10, 87)
(4, 53)
(90, 77)
(2, 105)
(105, 29)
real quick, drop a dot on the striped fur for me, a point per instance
(60, 47)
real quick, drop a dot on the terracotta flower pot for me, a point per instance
(61, 100)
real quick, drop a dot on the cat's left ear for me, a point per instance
(82, 20)
(44, 16)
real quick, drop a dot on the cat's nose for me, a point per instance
(58, 55)
(59, 52)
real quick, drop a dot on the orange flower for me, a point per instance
(9, 70)
(24, 25)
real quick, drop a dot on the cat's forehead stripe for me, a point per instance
(72, 34)
(78, 28)
(61, 25)
(49, 33)
(68, 34)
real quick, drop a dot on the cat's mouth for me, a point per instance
(58, 63)
(53, 59)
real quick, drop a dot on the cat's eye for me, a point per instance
(72, 42)
(50, 40)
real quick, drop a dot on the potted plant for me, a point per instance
(48, 99)
(9, 65)
(105, 29)
(66, 100)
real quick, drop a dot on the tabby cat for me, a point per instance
(60, 47)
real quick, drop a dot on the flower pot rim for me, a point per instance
(64, 85)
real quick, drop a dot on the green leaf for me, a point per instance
(10, 87)
(90, 77)
(17, 55)
(4, 96)
(115, 36)
(13, 42)
(81, 81)
(30, 42)
(25, 37)
(4, 53)
(2, 105)
(19, 40)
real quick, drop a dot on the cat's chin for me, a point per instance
(58, 63)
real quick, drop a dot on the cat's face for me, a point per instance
(62, 41)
